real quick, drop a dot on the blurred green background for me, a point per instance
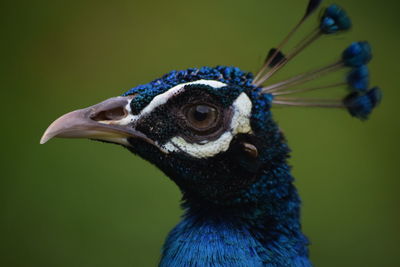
(82, 203)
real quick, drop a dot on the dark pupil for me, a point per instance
(201, 112)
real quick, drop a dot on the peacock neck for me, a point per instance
(260, 229)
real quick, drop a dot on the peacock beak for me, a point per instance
(109, 121)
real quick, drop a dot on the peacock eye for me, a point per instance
(201, 116)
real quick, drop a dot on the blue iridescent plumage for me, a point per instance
(334, 20)
(358, 78)
(361, 105)
(357, 54)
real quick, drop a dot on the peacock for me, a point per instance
(212, 132)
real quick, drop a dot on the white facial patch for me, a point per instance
(240, 124)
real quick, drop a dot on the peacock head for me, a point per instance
(211, 129)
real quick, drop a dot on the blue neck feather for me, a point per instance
(266, 234)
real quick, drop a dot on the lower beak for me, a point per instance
(109, 120)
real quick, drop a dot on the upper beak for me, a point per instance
(108, 121)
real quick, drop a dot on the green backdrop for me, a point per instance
(82, 203)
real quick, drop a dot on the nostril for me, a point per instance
(110, 114)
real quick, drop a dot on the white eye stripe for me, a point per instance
(240, 124)
(163, 98)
